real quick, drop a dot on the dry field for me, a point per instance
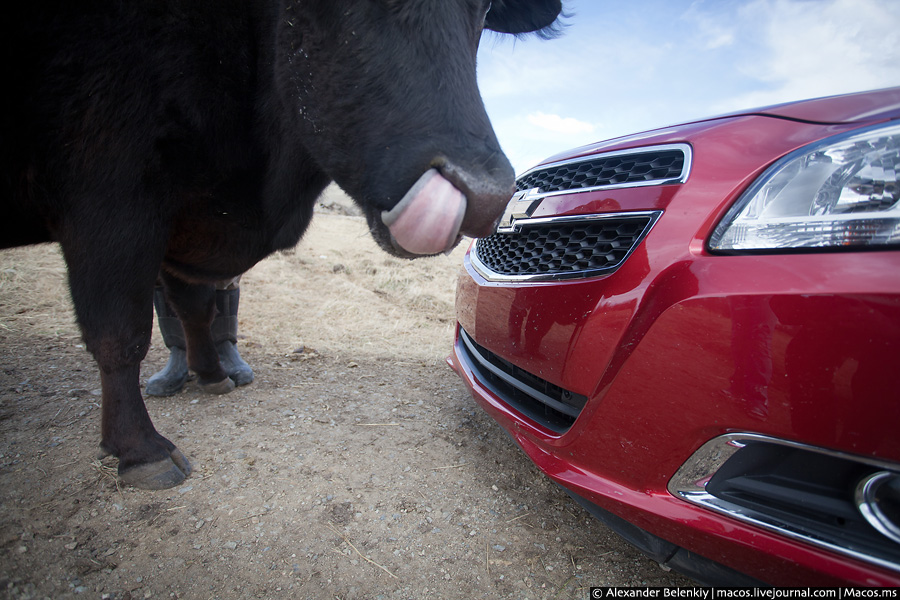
(355, 466)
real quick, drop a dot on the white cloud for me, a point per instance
(712, 31)
(719, 39)
(558, 124)
(821, 48)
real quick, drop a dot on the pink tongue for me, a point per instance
(428, 217)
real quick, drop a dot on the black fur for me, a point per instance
(188, 139)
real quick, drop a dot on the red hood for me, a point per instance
(863, 106)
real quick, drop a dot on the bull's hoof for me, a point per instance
(219, 387)
(159, 475)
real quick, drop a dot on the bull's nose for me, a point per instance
(482, 222)
(487, 193)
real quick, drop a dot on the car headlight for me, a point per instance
(837, 193)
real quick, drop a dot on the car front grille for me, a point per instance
(562, 248)
(543, 402)
(663, 164)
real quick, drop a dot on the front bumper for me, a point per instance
(665, 365)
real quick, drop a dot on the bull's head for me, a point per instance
(385, 98)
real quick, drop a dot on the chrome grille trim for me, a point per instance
(570, 270)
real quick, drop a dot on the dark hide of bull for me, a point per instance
(188, 139)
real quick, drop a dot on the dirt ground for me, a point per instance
(355, 466)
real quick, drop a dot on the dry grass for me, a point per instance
(36, 277)
(337, 290)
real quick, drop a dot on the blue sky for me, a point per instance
(622, 67)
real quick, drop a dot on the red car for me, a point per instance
(696, 332)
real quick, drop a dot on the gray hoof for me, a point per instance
(241, 375)
(171, 379)
(235, 366)
(159, 475)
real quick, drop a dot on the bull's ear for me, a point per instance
(523, 16)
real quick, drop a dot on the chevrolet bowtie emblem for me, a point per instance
(521, 206)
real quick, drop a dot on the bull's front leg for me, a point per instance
(111, 276)
(146, 459)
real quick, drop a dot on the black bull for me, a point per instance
(188, 139)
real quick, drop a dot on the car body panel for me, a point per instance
(680, 345)
(618, 295)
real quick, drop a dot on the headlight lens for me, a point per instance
(841, 192)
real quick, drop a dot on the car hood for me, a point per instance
(862, 107)
(850, 108)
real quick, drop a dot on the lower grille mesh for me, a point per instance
(561, 248)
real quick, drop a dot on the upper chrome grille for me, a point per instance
(654, 165)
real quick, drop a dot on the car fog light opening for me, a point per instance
(845, 503)
(842, 192)
(878, 499)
